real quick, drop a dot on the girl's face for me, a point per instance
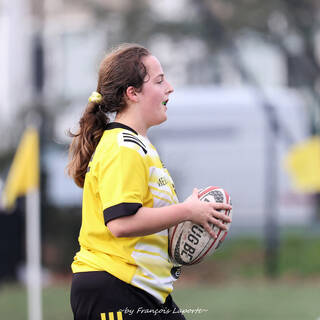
(154, 94)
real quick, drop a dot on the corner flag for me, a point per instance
(23, 180)
(24, 172)
(303, 163)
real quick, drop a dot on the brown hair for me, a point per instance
(118, 70)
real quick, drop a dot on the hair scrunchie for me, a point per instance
(95, 97)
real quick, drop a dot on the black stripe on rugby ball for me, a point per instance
(177, 252)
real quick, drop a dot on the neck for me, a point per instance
(132, 122)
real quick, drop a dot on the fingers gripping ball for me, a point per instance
(190, 243)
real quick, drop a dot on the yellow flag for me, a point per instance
(24, 172)
(303, 163)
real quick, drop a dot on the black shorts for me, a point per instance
(98, 295)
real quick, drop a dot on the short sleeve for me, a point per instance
(122, 183)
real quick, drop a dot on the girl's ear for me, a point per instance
(132, 94)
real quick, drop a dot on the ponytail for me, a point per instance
(92, 125)
(118, 70)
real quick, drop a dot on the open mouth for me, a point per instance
(165, 102)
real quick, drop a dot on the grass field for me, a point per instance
(252, 300)
(230, 285)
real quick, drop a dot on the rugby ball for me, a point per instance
(189, 243)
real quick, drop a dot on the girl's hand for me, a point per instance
(203, 213)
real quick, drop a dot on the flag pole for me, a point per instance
(33, 214)
(23, 180)
(33, 256)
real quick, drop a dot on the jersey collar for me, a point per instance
(114, 125)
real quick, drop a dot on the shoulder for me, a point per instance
(120, 143)
(129, 140)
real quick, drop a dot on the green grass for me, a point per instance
(298, 255)
(230, 285)
(259, 301)
(13, 302)
(253, 300)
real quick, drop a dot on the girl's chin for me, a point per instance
(160, 120)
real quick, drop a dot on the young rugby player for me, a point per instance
(122, 270)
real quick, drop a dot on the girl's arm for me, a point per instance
(151, 220)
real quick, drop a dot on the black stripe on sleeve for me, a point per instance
(136, 142)
(129, 135)
(120, 210)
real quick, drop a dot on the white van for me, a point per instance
(219, 136)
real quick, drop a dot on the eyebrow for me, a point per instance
(160, 75)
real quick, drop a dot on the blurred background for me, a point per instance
(245, 115)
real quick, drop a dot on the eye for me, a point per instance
(160, 79)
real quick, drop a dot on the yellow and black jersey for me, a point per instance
(124, 174)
